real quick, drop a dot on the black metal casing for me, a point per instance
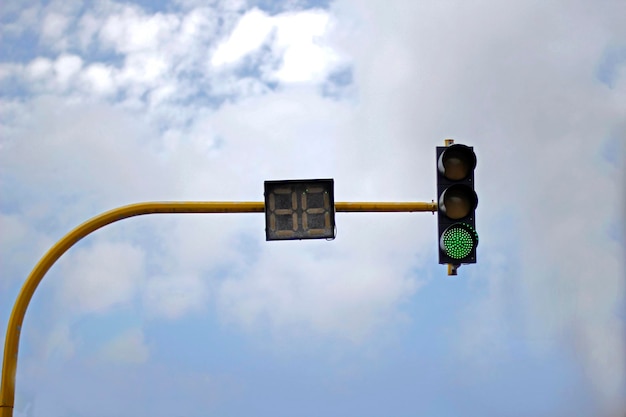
(443, 221)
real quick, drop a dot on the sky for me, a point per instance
(106, 103)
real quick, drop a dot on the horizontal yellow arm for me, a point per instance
(385, 207)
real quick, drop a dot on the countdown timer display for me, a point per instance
(299, 209)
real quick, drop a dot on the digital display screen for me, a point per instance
(299, 209)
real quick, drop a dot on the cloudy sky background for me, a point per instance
(108, 103)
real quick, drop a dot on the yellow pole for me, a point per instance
(7, 388)
(385, 207)
(451, 268)
(11, 343)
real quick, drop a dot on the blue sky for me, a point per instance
(106, 103)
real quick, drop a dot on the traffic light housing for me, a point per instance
(456, 202)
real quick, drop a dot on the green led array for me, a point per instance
(458, 242)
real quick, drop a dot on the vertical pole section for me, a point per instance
(451, 268)
(11, 343)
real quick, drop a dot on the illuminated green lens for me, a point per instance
(458, 241)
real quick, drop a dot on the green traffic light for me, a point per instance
(459, 240)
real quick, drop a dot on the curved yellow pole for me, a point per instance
(7, 388)
(11, 343)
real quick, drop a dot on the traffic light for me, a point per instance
(456, 201)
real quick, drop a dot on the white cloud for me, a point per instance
(175, 295)
(54, 26)
(87, 28)
(299, 49)
(59, 342)
(101, 276)
(130, 30)
(99, 79)
(128, 347)
(9, 70)
(66, 68)
(59, 75)
(27, 19)
(529, 104)
(525, 99)
(39, 68)
(142, 71)
(199, 24)
(171, 53)
(350, 288)
(21, 242)
(113, 153)
(300, 41)
(251, 32)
